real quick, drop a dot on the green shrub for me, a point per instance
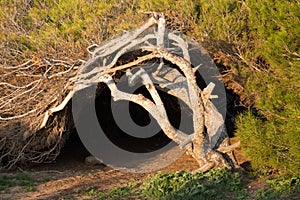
(264, 36)
(279, 189)
(265, 39)
(63, 29)
(216, 184)
(122, 192)
(272, 140)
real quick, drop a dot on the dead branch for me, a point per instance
(50, 84)
(57, 108)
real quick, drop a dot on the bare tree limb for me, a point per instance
(57, 108)
(229, 148)
(176, 135)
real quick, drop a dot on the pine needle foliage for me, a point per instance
(264, 49)
(273, 139)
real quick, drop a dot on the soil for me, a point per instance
(69, 175)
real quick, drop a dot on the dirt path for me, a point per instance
(81, 177)
(69, 175)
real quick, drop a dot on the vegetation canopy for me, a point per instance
(255, 44)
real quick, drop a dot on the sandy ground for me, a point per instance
(69, 175)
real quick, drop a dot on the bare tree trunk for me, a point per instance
(150, 38)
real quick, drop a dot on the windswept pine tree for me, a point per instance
(255, 44)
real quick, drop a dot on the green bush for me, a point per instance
(63, 29)
(264, 36)
(216, 184)
(266, 43)
(272, 138)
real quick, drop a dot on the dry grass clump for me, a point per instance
(27, 91)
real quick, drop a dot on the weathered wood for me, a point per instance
(209, 136)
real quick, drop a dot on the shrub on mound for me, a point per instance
(272, 138)
(264, 58)
(259, 38)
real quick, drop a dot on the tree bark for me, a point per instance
(207, 121)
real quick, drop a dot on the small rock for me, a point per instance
(91, 160)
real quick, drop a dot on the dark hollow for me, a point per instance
(140, 116)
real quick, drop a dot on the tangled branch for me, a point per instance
(40, 89)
